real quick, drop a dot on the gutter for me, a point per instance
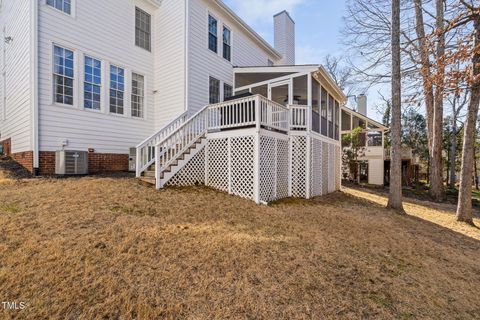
(34, 84)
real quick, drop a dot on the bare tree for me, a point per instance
(341, 73)
(464, 208)
(395, 195)
(458, 103)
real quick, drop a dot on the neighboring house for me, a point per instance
(374, 157)
(102, 76)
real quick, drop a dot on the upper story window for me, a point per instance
(63, 75)
(227, 91)
(143, 29)
(117, 89)
(214, 90)
(227, 47)
(92, 86)
(138, 95)
(212, 34)
(62, 5)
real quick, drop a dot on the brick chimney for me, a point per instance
(285, 37)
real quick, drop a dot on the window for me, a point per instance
(227, 91)
(117, 89)
(63, 75)
(212, 34)
(142, 29)
(92, 84)
(138, 95)
(214, 90)
(270, 63)
(227, 41)
(62, 5)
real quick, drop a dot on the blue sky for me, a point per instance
(318, 25)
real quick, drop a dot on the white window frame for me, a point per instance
(72, 8)
(125, 91)
(149, 32)
(230, 45)
(74, 79)
(102, 81)
(220, 89)
(144, 104)
(209, 14)
(223, 90)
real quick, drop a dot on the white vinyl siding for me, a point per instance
(16, 84)
(109, 38)
(245, 51)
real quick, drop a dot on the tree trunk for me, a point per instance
(433, 113)
(395, 196)
(475, 168)
(453, 146)
(464, 209)
(437, 191)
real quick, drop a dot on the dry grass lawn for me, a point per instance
(111, 248)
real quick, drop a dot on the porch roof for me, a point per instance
(365, 118)
(319, 73)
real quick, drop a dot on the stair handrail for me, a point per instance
(145, 155)
(178, 141)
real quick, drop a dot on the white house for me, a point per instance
(157, 76)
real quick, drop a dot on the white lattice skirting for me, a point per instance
(264, 167)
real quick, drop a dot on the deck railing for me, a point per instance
(177, 142)
(300, 117)
(145, 155)
(243, 113)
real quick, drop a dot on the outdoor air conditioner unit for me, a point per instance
(69, 162)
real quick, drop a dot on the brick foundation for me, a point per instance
(7, 146)
(46, 161)
(25, 159)
(97, 163)
(107, 162)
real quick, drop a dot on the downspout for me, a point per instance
(34, 83)
(186, 48)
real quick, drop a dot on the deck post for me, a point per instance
(256, 164)
(158, 183)
(308, 159)
(138, 162)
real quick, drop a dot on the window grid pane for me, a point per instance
(142, 29)
(63, 75)
(226, 44)
(212, 34)
(227, 91)
(62, 5)
(138, 95)
(214, 90)
(93, 83)
(117, 89)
